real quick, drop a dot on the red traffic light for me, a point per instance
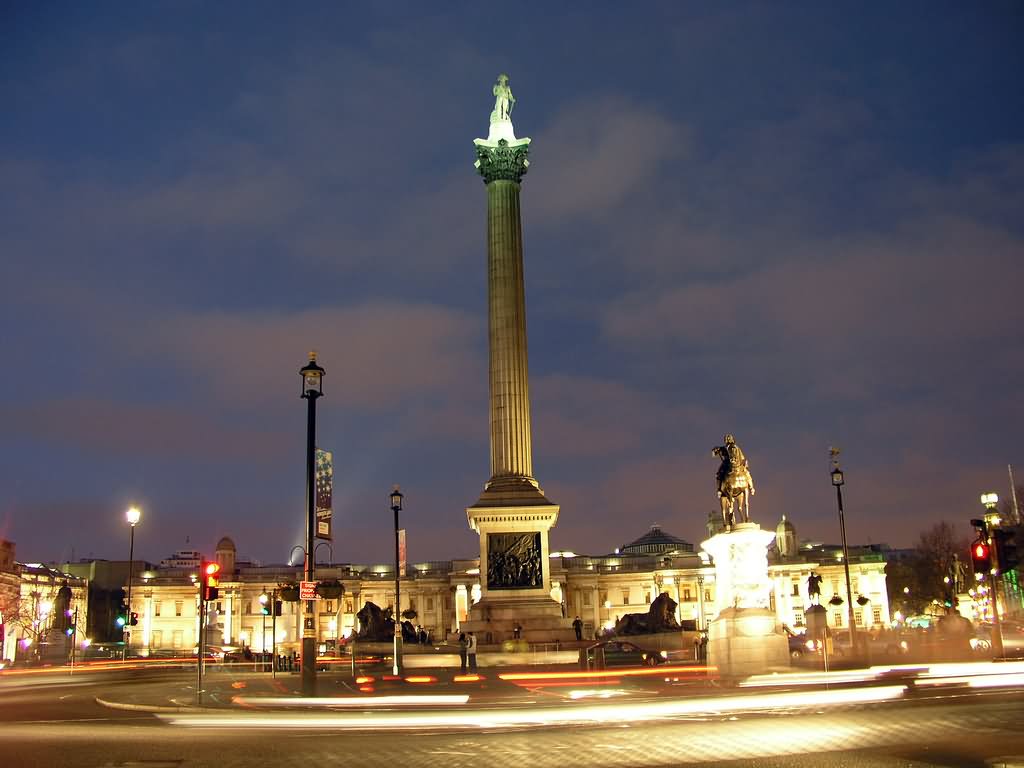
(980, 550)
(211, 581)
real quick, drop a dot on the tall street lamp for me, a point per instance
(133, 515)
(312, 388)
(838, 481)
(396, 507)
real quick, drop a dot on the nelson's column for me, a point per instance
(512, 515)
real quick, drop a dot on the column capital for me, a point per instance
(501, 160)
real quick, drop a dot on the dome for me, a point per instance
(225, 544)
(785, 526)
(656, 542)
(785, 538)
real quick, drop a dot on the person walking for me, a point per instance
(577, 626)
(471, 651)
(462, 650)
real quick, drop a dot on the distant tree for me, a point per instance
(919, 579)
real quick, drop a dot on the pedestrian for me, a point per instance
(462, 650)
(517, 631)
(577, 626)
(471, 651)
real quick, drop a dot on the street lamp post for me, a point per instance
(396, 507)
(132, 516)
(312, 388)
(838, 480)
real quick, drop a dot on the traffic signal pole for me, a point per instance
(199, 649)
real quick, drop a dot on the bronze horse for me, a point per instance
(735, 487)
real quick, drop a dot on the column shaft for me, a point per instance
(509, 386)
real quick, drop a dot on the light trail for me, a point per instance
(612, 713)
(351, 701)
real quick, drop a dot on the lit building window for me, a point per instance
(178, 604)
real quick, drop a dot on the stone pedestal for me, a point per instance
(515, 577)
(745, 639)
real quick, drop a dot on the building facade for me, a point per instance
(598, 589)
(48, 616)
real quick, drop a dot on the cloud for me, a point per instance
(114, 428)
(595, 154)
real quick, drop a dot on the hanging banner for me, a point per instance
(324, 493)
(401, 551)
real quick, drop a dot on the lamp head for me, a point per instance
(133, 515)
(396, 500)
(312, 378)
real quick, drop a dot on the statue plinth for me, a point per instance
(745, 638)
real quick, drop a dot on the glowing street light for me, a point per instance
(396, 507)
(133, 515)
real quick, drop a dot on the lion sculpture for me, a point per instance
(378, 625)
(660, 617)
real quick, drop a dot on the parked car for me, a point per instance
(619, 653)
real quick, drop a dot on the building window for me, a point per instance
(430, 603)
(798, 618)
(329, 606)
(348, 606)
(625, 597)
(687, 596)
(178, 604)
(876, 615)
(247, 607)
(156, 607)
(796, 589)
(707, 594)
(837, 620)
(177, 639)
(586, 599)
(156, 639)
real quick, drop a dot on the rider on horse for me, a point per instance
(734, 481)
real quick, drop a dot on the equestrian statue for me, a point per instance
(735, 485)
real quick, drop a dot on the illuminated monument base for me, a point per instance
(745, 639)
(515, 575)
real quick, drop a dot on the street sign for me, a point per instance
(307, 590)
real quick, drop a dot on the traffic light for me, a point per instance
(134, 620)
(211, 581)
(121, 621)
(70, 631)
(1006, 548)
(264, 608)
(277, 607)
(981, 557)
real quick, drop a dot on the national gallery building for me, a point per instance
(599, 590)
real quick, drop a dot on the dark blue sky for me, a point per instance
(796, 223)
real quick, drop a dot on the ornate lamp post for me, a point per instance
(838, 480)
(312, 388)
(133, 515)
(396, 507)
